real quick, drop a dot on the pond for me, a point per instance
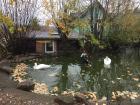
(68, 73)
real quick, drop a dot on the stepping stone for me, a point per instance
(26, 85)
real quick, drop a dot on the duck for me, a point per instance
(40, 66)
(107, 61)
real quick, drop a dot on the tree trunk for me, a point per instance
(91, 17)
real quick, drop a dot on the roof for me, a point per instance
(52, 33)
(55, 35)
(44, 35)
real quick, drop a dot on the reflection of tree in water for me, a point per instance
(98, 82)
(123, 75)
(63, 78)
(111, 80)
(106, 81)
(129, 56)
(74, 77)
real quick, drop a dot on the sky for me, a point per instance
(41, 14)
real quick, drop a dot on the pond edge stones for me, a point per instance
(19, 75)
(26, 85)
(5, 66)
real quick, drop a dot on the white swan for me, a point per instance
(107, 66)
(40, 66)
(107, 61)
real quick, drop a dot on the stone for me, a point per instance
(26, 85)
(9, 56)
(6, 69)
(62, 102)
(81, 99)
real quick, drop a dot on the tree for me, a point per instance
(125, 30)
(67, 16)
(64, 14)
(111, 26)
(3, 36)
(20, 14)
(120, 22)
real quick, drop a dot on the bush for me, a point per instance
(124, 30)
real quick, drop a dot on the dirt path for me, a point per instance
(5, 81)
(17, 97)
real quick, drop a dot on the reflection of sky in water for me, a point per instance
(123, 74)
(48, 76)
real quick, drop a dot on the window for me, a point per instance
(49, 47)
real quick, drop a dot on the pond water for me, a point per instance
(68, 73)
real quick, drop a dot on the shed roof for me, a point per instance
(44, 35)
(54, 35)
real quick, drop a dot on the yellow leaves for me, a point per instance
(62, 15)
(24, 29)
(55, 89)
(50, 6)
(124, 94)
(128, 21)
(40, 88)
(94, 40)
(71, 5)
(64, 27)
(6, 20)
(11, 29)
(46, 3)
(127, 28)
(19, 29)
(12, 2)
(82, 23)
(19, 72)
(48, 22)
(67, 23)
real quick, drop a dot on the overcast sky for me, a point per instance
(40, 13)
